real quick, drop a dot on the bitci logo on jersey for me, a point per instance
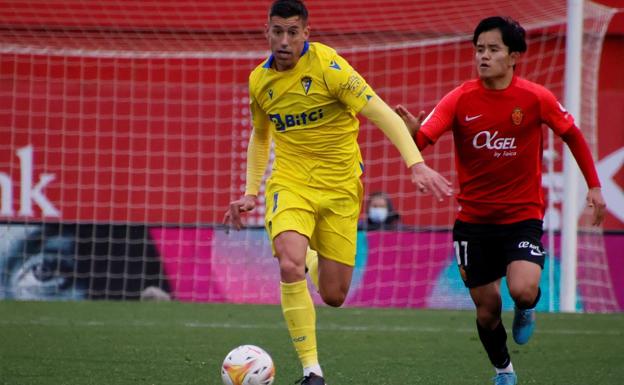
(291, 120)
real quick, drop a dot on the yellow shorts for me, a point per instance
(328, 218)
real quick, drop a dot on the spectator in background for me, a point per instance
(380, 213)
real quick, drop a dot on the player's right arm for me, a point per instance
(258, 152)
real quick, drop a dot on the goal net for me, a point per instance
(125, 126)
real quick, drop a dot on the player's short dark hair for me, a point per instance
(289, 8)
(512, 32)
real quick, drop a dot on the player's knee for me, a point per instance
(523, 296)
(290, 270)
(333, 298)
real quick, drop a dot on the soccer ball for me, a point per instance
(248, 365)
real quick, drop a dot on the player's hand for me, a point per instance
(232, 216)
(597, 203)
(412, 122)
(429, 181)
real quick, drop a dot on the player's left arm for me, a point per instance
(562, 122)
(580, 150)
(425, 178)
(353, 91)
(413, 124)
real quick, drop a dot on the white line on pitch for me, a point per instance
(398, 329)
(328, 327)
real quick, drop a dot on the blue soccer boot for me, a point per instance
(523, 325)
(506, 379)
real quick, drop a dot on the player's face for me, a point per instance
(286, 39)
(493, 60)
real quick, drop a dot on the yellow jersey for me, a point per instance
(310, 111)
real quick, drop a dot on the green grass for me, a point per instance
(82, 343)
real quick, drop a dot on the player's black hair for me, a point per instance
(512, 32)
(289, 8)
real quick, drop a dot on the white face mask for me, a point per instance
(378, 214)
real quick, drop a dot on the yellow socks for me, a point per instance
(312, 265)
(300, 317)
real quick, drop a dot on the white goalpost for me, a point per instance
(573, 70)
(573, 199)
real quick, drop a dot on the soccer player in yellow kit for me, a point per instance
(305, 98)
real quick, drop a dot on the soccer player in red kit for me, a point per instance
(496, 121)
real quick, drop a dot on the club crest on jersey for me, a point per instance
(270, 94)
(516, 116)
(306, 82)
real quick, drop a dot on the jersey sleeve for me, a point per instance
(346, 84)
(441, 118)
(259, 118)
(553, 113)
(580, 150)
(378, 112)
(259, 147)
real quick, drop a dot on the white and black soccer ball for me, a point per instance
(248, 365)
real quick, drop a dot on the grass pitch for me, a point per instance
(118, 343)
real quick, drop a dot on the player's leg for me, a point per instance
(523, 278)
(334, 281)
(297, 306)
(290, 221)
(311, 264)
(524, 272)
(336, 258)
(482, 266)
(290, 249)
(335, 240)
(492, 332)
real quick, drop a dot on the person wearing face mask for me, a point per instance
(380, 214)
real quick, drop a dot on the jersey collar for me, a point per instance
(269, 62)
(511, 83)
